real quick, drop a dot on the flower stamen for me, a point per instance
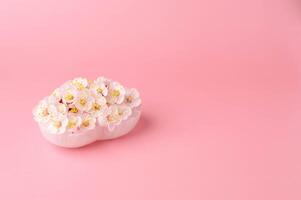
(82, 102)
(115, 93)
(73, 110)
(86, 123)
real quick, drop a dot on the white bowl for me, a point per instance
(79, 139)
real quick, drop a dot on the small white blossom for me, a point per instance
(116, 93)
(110, 119)
(58, 109)
(74, 123)
(57, 125)
(99, 106)
(88, 122)
(80, 83)
(47, 109)
(41, 111)
(99, 88)
(69, 94)
(132, 98)
(124, 111)
(84, 101)
(114, 115)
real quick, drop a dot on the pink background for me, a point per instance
(220, 82)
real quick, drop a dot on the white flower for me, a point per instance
(57, 125)
(80, 83)
(116, 93)
(99, 88)
(132, 98)
(99, 106)
(84, 101)
(58, 109)
(48, 108)
(114, 115)
(74, 123)
(110, 119)
(42, 112)
(88, 122)
(124, 111)
(69, 94)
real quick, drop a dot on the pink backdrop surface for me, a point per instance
(220, 83)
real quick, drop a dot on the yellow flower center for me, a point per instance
(71, 124)
(73, 110)
(96, 106)
(129, 99)
(78, 85)
(57, 124)
(86, 123)
(110, 118)
(82, 102)
(44, 113)
(115, 93)
(99, 90)
(69, 97)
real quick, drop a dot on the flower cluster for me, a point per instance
(81, 104)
